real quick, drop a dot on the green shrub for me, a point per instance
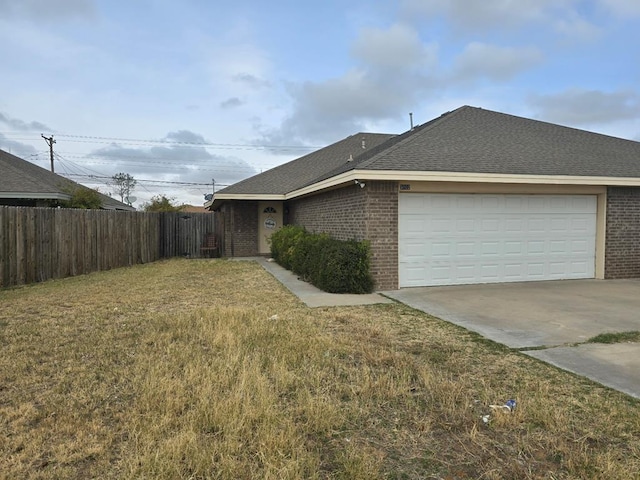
(283, 244)
(344, 268)
(307, 258)
(332, 265)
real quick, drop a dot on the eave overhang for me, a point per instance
(36, 196)
(422, 176)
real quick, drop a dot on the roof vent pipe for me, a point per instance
(411, 120)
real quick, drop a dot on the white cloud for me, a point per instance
(623, 8)
(250, 80)
(494, 62)
(586, 107)
(395, 69)
(487, 14)
(232, 102)
(17, 124)
(577, 28)
(180, 160)
(563, 17)
(47, 10)
(398, 47)
(16, 148)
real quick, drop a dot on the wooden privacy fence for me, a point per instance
(37, 244)
(183, 234)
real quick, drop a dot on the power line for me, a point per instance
(154, 161)
(151, 142)
(145, 180)
(196, 144)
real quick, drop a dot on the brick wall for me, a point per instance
(354, 213)
(622, 248)
(382, 232)
(241, 228)
(340, 213)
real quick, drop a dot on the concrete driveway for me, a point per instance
(555, 314)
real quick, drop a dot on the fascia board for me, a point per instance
(37, 196)
(237, 196)
(249, 196)
(421, 176)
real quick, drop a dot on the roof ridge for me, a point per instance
(410, 134)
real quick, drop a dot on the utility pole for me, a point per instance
(50, 141)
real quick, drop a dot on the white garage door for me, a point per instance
(450, 239)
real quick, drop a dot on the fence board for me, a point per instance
(37, 244)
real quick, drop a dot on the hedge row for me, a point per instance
(332, 265)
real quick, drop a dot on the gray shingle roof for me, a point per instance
(307, 169)
(466, 140)
(19, 177)
(474, 140)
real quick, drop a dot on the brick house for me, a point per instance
(473, 196)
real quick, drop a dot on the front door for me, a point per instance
(269, 220)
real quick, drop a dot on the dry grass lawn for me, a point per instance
(178, 370)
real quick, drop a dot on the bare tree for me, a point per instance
(123, 184)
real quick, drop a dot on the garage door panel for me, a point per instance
(560, 224)
(490, 225)
(579, 268)
(582, 224)
(582, 246)
(490, 271)
(441, 249)
(464, 203)
(415, 252)
(414, 225)
(536, 247)
(535, 270)
(537, 225)
(442, 226)
(466, 249)
(489, 248)
(513, 247)
(465, 225)
(558, 247)
(450, 239)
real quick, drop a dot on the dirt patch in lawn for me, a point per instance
(211, 369)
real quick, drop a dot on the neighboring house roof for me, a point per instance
(194, 209)
(467, 144)
(21, 179)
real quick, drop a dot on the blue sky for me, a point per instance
(193, 90)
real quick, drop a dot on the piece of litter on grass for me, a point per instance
(273, 317)
(486, 418)
(508, 406)
(500, 407)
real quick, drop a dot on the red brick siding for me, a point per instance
(241, 229)
(622, 247)
(354, 213)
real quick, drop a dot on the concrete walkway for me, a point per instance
(313, 296)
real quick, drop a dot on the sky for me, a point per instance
(194, 95)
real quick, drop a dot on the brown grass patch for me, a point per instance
(177, 370)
